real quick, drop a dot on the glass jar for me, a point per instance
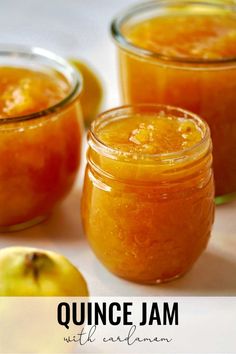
(147, 217)
(39, 151)
(206, 86)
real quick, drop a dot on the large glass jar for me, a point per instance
(147, 216)
(183, 53)
(40, 145)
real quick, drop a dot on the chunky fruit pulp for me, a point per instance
(24, 91)
(208, 90)
(150, 135)
(191, 36)
(39, 157)
(148, 220)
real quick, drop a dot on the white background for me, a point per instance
(80, 28)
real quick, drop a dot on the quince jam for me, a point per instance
(186, 57)
(39, 145)
(24, 91)
(147, 205)
(191, 36)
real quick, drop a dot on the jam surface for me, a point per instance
(151, 134)
(24, 91)
(191, 36)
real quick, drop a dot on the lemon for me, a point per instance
(92, 93)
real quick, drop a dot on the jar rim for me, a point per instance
(132, 11)
(178, 156)
(38, 53)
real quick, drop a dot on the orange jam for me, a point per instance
(184, 54)
(191, 36)
(24, 91)
(147, 205)
(40, 138)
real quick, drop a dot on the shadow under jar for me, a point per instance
(183, 53)
(40, 134)
(148, 197)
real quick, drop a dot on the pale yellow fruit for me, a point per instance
(28, 271)
(92, 93)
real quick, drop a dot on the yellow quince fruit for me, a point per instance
(28, 271)
(92, 92)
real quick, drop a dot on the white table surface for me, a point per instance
(80, 28)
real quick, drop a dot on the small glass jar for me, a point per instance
(39, 152)
(148, 217)
(204, 86)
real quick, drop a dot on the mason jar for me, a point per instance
(147, 215)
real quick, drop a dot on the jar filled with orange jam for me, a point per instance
(183, 53)
(40, 134)
(148, 198)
